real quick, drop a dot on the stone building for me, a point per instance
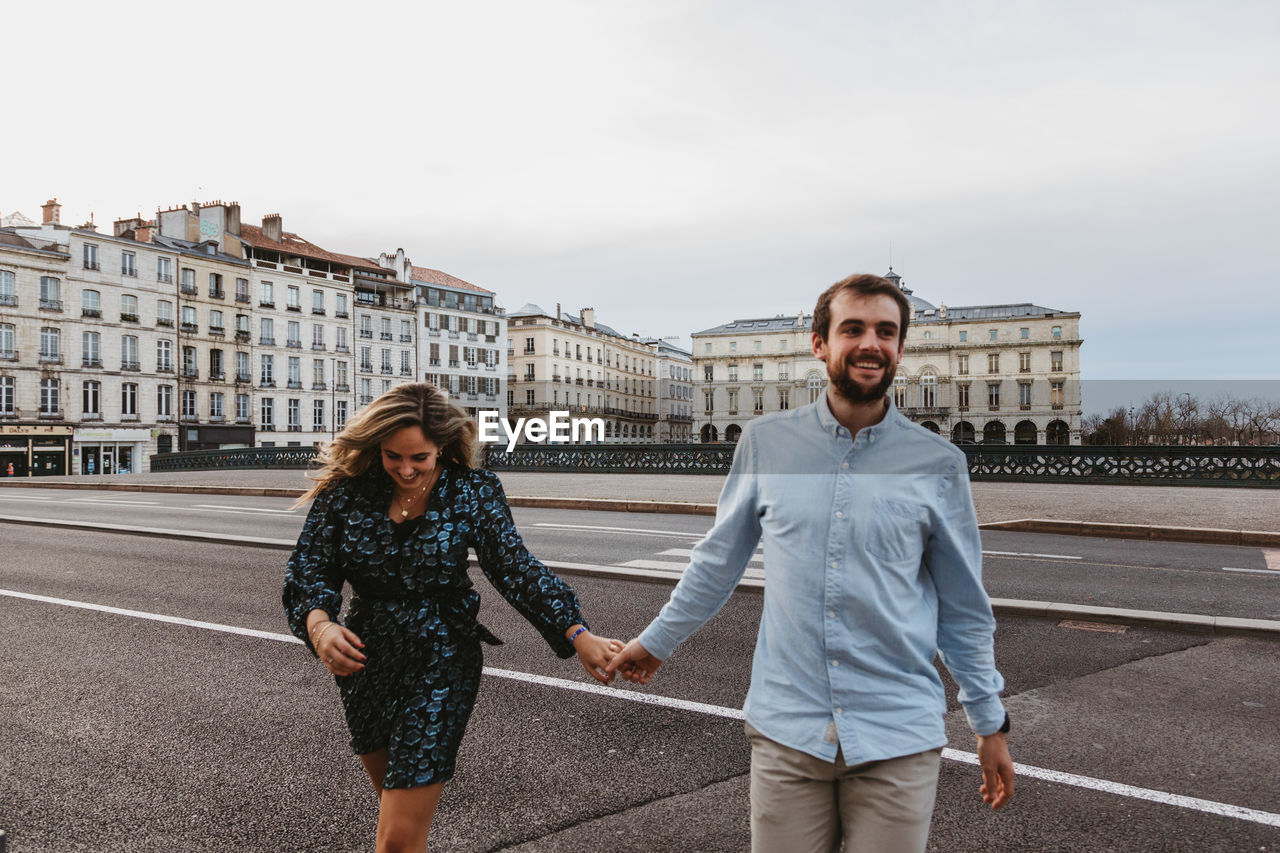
(979, 373)
(674, 392)
(559, 362)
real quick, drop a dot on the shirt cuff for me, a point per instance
(985, 717)
(658, 642)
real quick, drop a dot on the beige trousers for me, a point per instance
(802, 804)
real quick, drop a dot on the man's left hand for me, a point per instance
(997, 769)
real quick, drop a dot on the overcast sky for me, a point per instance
(677, 165)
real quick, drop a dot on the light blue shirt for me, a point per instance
(873, 566)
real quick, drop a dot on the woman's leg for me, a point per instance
(375, 764)
(404, 818)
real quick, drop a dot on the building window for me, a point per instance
(962, 365)
(294, 332)
(7, 396)
(962, 396)
(757, 403)
(1024, 333)
(91, 355)
(1057, 332)
(189, 319)
(128, 308)
(528, 394)
(407, 370)
(340, 375)
(242, 408)
(188, 281)
(784, 399)
(50, 293)
(733, 346)
(815, 384)
(1055, 394)
(733, 401)
(993, 362)
(294, 298)
(992, 335)
(268, 410)
(993, 395)
(340, 415)
(295, 371)
(317, 302)
(267, 332)
(50, 344)
(1055, 361)
(49, 397)
(90, 256)
(757, 372)
(317, 374)
(215, 406)
(164, 269)
(90, 304)
(317, 415)
(733, 373)
(189, 405)
(189, 367)
(164, 401)
(164, 356)
(8, 294)
(900, 391)
(129, 400)
(268, 299)
(242, 290)
(1024, 362)
(164, 313)
(92, 399)
(1024, 395)
(366, 326)
(386, 360)
(267, 378)
(928, 390)
(528, 372)
(7, 338)
(215, 285)
(340, 305)
(215, 364)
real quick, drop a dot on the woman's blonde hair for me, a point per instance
(359, 444)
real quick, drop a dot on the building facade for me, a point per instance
(574, 364)
(462, 338)
(674, 392)
(976, 374)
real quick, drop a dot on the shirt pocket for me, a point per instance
(897, 531)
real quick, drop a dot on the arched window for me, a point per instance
(1024, 433)
(732, 432)
(962, 433)
(928, 390)
(1057, 433)
(931, 427)
(815, 383)
(900, 390)
(709, 434)
(993, 433)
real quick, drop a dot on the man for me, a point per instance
(874, 566)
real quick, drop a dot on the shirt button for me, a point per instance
(834, 564)
(831, 614)
(839, 711)
(835, 663)
(845, 465)
(839, 514)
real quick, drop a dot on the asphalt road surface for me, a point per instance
(124, 732)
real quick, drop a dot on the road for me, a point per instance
(128, 733)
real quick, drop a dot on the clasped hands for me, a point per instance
(603, 658)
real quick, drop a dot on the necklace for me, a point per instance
(406, 505)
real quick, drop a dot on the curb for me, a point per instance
(1198, 535)
(1015, 607)
(1109, 530)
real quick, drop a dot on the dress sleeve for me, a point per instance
(313, 579)
(547, 602)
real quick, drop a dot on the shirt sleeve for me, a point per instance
(718, 561)
(966, 625)
(549, 603)
(314, 580)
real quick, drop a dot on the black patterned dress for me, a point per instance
(414, 607)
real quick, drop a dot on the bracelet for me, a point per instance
(315, 641)
(319, 625)
(581, 628)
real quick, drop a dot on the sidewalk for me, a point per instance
(1162, 506)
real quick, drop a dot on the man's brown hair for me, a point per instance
(863, 284)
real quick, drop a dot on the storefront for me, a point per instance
(110, 451)
(34, 451)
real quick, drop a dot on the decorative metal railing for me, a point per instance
(1148, 465)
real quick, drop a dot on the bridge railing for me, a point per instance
(1144, 465)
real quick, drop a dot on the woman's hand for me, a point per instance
(338, 648)
(594, 652)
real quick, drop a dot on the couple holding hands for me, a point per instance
(874, 568)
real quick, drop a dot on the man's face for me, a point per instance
(862, 349)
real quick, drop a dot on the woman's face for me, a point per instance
(409, 457)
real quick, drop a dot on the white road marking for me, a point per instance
(24, 500)
(112, 501)
(1020, 554)
(243, 509)
(1253, 571)
(1273, 559)
(1026, 770)
(638, 530)
(688, 552)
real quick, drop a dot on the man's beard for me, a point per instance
(848, 388)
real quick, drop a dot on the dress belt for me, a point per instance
(452, 609)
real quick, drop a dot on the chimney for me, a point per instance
(272, 227)
(942, 310)
(143, 234)
(557, 310)
(52, 212)
(588, 318)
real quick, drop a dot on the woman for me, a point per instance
(397, 505)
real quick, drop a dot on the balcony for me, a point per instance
(366, 333)
(242, 297)
(318, 311)
(341, 348)
(405, 371)
(242, 335)
(219, 331)
(267, 383)
(90, 362)
(50, 304)
(365, 400)
(48, 415)
(404, 339)
(125, 317)
(242, 378)
(186, 328)
(164, 368)
(8, 355)
(50, 358)
(267, 342)
(217, 294)
(342, 315)
(191, 373)
(266, 304)
(130, 364)
(189, 289)
(386, 369)
(90, 312)
(297, 308)
(319, 386)
(366, 367)
(342, 388)
(216, 376)
(163, 321)
(9, 299)
(92, 265)
(386, 336)
(165, 277)
(293, 344)
(295, 383)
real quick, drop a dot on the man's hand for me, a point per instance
(997, 769)
(634, 663)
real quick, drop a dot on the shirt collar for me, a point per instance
(831, 426)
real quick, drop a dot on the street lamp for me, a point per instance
(1187, 415)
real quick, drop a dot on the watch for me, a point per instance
(1004, 727)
